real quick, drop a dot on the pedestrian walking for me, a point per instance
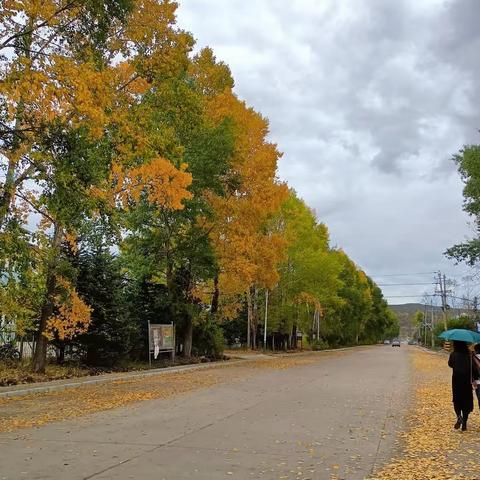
(476, 362)
(463, 376)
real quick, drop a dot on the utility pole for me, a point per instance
(316, 322)
(266, 317)
(475, 312)
(249, 314)
(442, 282)
(432, 322)
(425, 325)
(445, 315)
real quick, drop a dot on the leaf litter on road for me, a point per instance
(39, 409)
(431, 448)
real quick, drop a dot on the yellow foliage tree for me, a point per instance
(72, 315)
(163, 185)
(247, 247)
(71, 66)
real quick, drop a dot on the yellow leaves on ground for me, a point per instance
(21, 373)
(282, 362)
(39, 409)
(432, 449)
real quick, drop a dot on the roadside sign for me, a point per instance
(161, 338)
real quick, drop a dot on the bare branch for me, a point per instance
(27, 31)
(35, 207)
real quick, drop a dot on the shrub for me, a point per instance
(208, 339)
(320, 344)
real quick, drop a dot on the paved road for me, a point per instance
(333, 418)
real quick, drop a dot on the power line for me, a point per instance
(402, 274)
(462, 298)
(409, 296)
(402, 284)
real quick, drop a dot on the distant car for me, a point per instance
(396, 343)
(386, 342)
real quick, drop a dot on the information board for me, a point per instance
(161, 337)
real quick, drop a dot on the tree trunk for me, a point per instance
(61, 354)
(8, 191)
(215, 297)
(40, 357)
(187, 340)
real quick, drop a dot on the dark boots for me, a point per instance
(462, 418)
(458, 423)
(464, 421)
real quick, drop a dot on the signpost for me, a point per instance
(161, 338)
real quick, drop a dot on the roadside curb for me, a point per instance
(6, 392)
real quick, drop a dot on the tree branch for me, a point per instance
(28, 31)
(35, 207)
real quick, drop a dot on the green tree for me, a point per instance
(172, 248)
(111, 335)
(309, 277)
(468, 164)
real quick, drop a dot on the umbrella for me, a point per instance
(461, 335)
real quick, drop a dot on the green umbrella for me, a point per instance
(461, 335)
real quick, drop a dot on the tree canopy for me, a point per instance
(135, 185)
(468, 164)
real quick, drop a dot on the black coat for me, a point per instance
(464, 371)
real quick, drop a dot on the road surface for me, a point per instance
(333, 418)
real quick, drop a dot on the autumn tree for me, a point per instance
(52, 74)
(246, 244)
(309, 276)
(109, 123)
(174, 244)
(67, 86)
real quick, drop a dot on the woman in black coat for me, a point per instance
(464, 372)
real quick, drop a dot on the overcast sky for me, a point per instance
(368, 100)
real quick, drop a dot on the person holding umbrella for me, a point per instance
(476, 361)
(464, 373)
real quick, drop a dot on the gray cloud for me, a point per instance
(368, 101)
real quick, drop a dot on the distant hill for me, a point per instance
(406, 311)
